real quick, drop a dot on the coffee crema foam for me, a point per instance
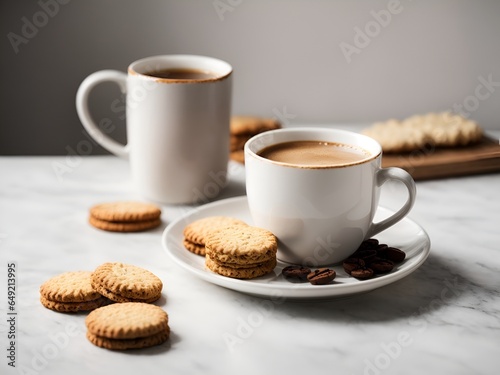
(314, 153)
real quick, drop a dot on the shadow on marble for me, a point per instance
(436, 284)
(231, 190)
(155, 350)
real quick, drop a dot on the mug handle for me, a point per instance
(82, 108)
(384, 175)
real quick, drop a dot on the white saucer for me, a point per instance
(406, 235)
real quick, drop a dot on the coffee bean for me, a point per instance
(379, 265)
(366, 255)
(296, 272)
(372, 257)
(381, 250)
(321, 276)
(351, 264)
(362, 273)
(368, 244)
(394, 254)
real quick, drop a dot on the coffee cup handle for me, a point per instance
(82, 108)
(383, 175)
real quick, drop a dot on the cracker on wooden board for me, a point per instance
(439, 129)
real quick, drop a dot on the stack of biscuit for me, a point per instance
(242, 128)
(71, 292)
(110, 282)
(131, 323)
(241, 251)
(125, 216)
(196, 233)
(126, 283)
(127, 326)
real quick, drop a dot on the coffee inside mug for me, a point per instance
(182, 74)
(303, 149)
(179, 69)
(317, 190)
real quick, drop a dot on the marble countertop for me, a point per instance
(443, 318)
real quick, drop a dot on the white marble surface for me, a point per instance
(444, 318)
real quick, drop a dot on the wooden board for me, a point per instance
(431, 163)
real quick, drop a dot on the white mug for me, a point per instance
(320, 215)
(177, 129)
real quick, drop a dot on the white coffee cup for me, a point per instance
(320, 215)
(177, 129)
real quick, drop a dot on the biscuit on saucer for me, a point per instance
(195, 233)
(242, 252)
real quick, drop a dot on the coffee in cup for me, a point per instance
(317, 190)
(314, 153)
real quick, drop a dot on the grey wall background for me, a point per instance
(286, 55)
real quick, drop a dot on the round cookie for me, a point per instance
(241, 273)
(198, 230)
(193, 247)
(238, 156)
(137, 343)
(241, 245)
(127, 211)
(133, 226)
(69, 287)
(127, 320)
(127, 326)
(242, 128)
(122, 282)
(237, 142)
(120, 299)
(233, 265)
(240, 125)
(74, 306)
